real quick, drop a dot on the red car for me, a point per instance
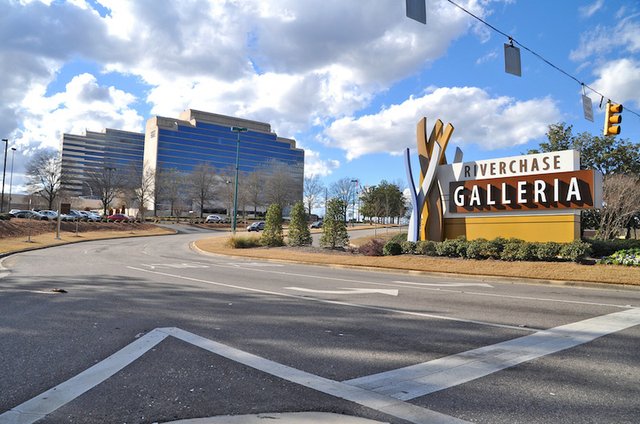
(118, 217)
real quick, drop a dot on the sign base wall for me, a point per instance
(563, 228)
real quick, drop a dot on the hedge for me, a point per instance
(500, 248)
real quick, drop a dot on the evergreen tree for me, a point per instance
(299, 234)
(334, 228)
(272, 235)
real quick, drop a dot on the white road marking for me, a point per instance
(445, 284)
(421, 379)
(346, 291)
(40, 406)
(47, 402)
(254, 264)
(437, 289)
(337, 302)
(181, 265)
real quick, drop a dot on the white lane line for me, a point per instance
(337, 302)
(37, 408)
(438, 289)
(444, 284)
(346, 290)
(382, 403)
(47, 402)
(421, 379)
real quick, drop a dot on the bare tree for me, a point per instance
(621, 196)
(253, 185)
(44, 175)
(343, 189)
(141, 187)
(313, 192)
(170, 185)
(280, 186)
(204, 185)
(107, 182)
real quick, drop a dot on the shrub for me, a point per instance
(272, 235)
(334, 230)
(602, 248)
(392, 248)
(526, 252)
(299, 233)
(482, 249)
(451, 247)
(372, 248)
(628, 257)
(5, 217)
(426, 247)
(575, 251)
(408, 247)
(243, 242)
(548, 251)
(497, 245)
(399, 238)
(510, 250)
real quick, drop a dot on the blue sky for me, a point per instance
(348, 79)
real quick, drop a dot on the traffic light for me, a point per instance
(612, 117)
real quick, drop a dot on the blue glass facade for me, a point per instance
(91, 152)
(193, 139)
(200, 137)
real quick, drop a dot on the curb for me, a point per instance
(280, 418)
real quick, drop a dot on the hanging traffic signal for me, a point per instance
(612, 117)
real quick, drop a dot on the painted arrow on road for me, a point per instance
(347, 291)
(445, 284)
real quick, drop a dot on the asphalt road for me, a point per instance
(149, 330)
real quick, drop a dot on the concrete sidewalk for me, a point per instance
(281, 418)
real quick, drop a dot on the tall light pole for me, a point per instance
(4, 170)
(355, 196)
(237, 130)
(13, 153)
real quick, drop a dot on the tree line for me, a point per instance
(170, 190)
(619, 162)
(377, 203)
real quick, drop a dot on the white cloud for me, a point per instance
(83, 105)
(590, 9)
(602, 40)
(314, 165)
(620, 80)
(479, 119)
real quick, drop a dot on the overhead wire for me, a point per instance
(557, 68)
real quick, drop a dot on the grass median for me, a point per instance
(549, 271)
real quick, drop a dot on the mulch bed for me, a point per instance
(19, 227)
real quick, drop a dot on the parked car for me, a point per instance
(216, 219)
(51, 215)
(73, 215)
(90, 216)
(29, 215)
(316, 224)
(256, 226)
(13, 212)
(118, 217)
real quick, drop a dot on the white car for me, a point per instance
(51, 215)
(216, 219)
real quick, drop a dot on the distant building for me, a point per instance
(83, 155)
(180, 144)
(206, 138)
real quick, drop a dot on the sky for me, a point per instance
(347, 79)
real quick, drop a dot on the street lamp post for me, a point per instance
(13, 153)
(237, 130)
(4, 170)
(355, 196)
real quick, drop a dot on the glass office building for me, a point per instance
(83, 155)
(180, 144)
(198, 137)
